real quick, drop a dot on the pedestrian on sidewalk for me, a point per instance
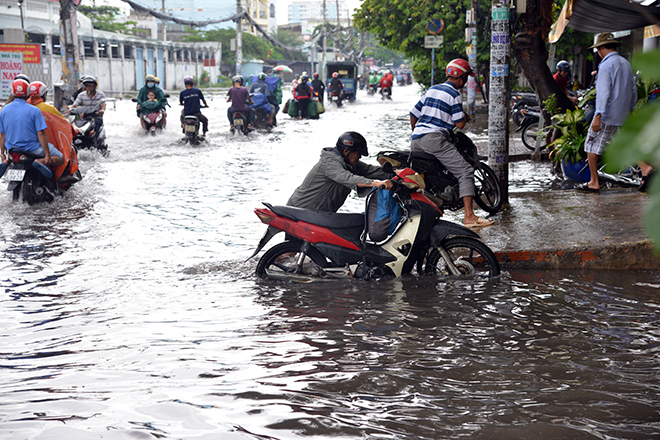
(616, 97)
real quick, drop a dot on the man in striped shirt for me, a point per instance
(432, 120)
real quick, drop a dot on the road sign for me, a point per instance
(436, 26)
(433, 41)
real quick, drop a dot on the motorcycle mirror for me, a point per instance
(134, 99)
(167, 96)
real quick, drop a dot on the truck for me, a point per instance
(347, 73)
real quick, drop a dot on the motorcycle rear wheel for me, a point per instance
(488, 192)
(281, 261)
(470, 256)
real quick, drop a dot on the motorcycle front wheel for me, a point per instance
(488, 192)
(471, 257)
(281, 262)
(529, 135)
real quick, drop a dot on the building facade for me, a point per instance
(120, 62)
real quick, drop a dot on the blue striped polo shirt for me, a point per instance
(439, 110)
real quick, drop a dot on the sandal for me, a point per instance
(480, 223)
(585, 187)
(646, 181)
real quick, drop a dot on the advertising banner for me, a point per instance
(11, 64)
(31, 52)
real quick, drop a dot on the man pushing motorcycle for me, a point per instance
(339, 171)
(433, 118)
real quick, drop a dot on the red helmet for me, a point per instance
(316, 75)
(459, 67)
(20, 88)
(38, 88)
(335, 74)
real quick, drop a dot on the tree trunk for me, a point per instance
(530, 50)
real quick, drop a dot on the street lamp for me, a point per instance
(20, 6)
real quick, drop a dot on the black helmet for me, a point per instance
(563, 66)
(22, 76)
(353, 141)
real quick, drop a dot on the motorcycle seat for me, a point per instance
(321, 218)
(423, 155)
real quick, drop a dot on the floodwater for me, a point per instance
(128, 311)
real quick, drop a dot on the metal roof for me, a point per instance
(613, 15)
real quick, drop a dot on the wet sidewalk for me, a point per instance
(568, 229)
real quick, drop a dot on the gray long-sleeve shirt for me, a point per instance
(331, 180)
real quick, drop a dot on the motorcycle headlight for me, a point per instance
(146, 118)
(159, 117)
(85, 127)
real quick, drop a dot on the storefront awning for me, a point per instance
(612, 15)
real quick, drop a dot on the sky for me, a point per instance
(211, 9)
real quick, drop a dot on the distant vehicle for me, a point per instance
(347, 73)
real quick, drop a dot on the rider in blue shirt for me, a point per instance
(190, 100)
(22, 126)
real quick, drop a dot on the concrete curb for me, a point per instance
(635, 255)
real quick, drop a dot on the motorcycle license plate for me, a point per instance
(190, 128)
(238, 122)
(14, 175)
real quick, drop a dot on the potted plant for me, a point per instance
(568, 149)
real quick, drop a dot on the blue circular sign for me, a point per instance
(436, 25)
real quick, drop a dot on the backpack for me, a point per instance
(383, 214)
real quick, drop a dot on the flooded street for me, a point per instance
(128, 311)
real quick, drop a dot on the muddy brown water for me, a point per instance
(128, 311)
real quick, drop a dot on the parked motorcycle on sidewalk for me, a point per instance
(529, 126)
(27, 183)
(441, 183)
(327, 245)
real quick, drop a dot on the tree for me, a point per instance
(253, 47)
(401, 26)
(104, 18)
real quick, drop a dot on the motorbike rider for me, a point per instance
(303, 93)
(386, 82)
(319, 87)
(190, 99)
(562, 76)
(150, 85)
(260, 86)
(373, 80)
(38, 92)
(90, 104)
(433, 118)
(336, 86)
(295, 82)
(22, 76)
(330, 181)
(239, 96)
(23, 126)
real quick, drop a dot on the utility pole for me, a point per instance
(239, 38)
(339, 42)
(472, 57)
(69, 44)
(498, 103)
(163, 22)
(323, 74)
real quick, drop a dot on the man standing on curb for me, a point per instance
(616, 97)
